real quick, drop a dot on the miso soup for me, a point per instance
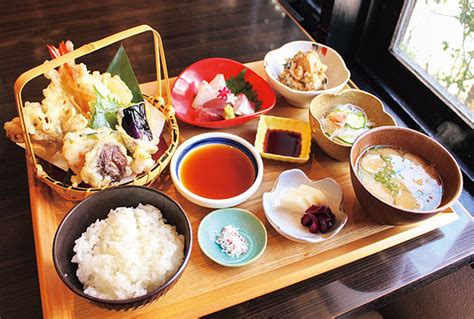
(400, 178)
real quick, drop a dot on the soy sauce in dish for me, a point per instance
(282, 142)
(217, 171)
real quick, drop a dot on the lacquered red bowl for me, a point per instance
(186, 85)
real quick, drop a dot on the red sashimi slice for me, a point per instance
(212, 110)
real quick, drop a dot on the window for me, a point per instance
(414, 54)
(435, 40)
(406, 58)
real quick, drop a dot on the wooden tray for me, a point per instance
(205, 286)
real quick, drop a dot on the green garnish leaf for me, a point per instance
(385, 176)
(122, 67)
(238, 85)
(386, 159)
(104, 111)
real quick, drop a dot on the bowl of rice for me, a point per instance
(124, 247)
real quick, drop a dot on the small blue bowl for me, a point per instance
(250, 227)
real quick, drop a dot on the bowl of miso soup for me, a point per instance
(401, 176)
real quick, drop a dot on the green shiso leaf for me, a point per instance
(104, 111)
(122, 67)
(238, 85)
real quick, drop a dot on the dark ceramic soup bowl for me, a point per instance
(418, 144)
(98, 206)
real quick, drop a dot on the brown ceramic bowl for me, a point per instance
(418, 144)
(320, 106)
(98, 206)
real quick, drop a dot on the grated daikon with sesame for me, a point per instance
(231, 242)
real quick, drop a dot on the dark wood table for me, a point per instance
(241, 30)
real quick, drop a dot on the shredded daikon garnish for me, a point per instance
(231, 242)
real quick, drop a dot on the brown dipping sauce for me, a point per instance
(217, 171)
(282, 142)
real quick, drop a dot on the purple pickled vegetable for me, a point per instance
(313, 228)
(318, 218)
(310, 221)
(314, 209)
(134, 122)
(306, 220)
(326, 220)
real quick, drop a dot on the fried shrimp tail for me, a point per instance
(72, 75)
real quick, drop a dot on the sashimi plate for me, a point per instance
(185, 89)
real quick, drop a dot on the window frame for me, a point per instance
(376, 69)
(362, 32)
(376, 61)
(428, 80)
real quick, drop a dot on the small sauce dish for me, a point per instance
(225, 170)
(283, 139)
(249, 227)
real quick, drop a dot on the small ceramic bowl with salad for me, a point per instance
(220, 93)
(338, 119)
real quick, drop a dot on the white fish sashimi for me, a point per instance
(298, 200)
(218, 82)
(205, 93)
(242, 105)
(209, 91)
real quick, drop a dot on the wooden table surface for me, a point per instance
(191, 30)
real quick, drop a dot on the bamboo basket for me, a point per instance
(171, 127)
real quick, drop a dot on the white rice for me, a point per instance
(128, 254)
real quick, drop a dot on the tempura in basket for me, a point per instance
(91, 120)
